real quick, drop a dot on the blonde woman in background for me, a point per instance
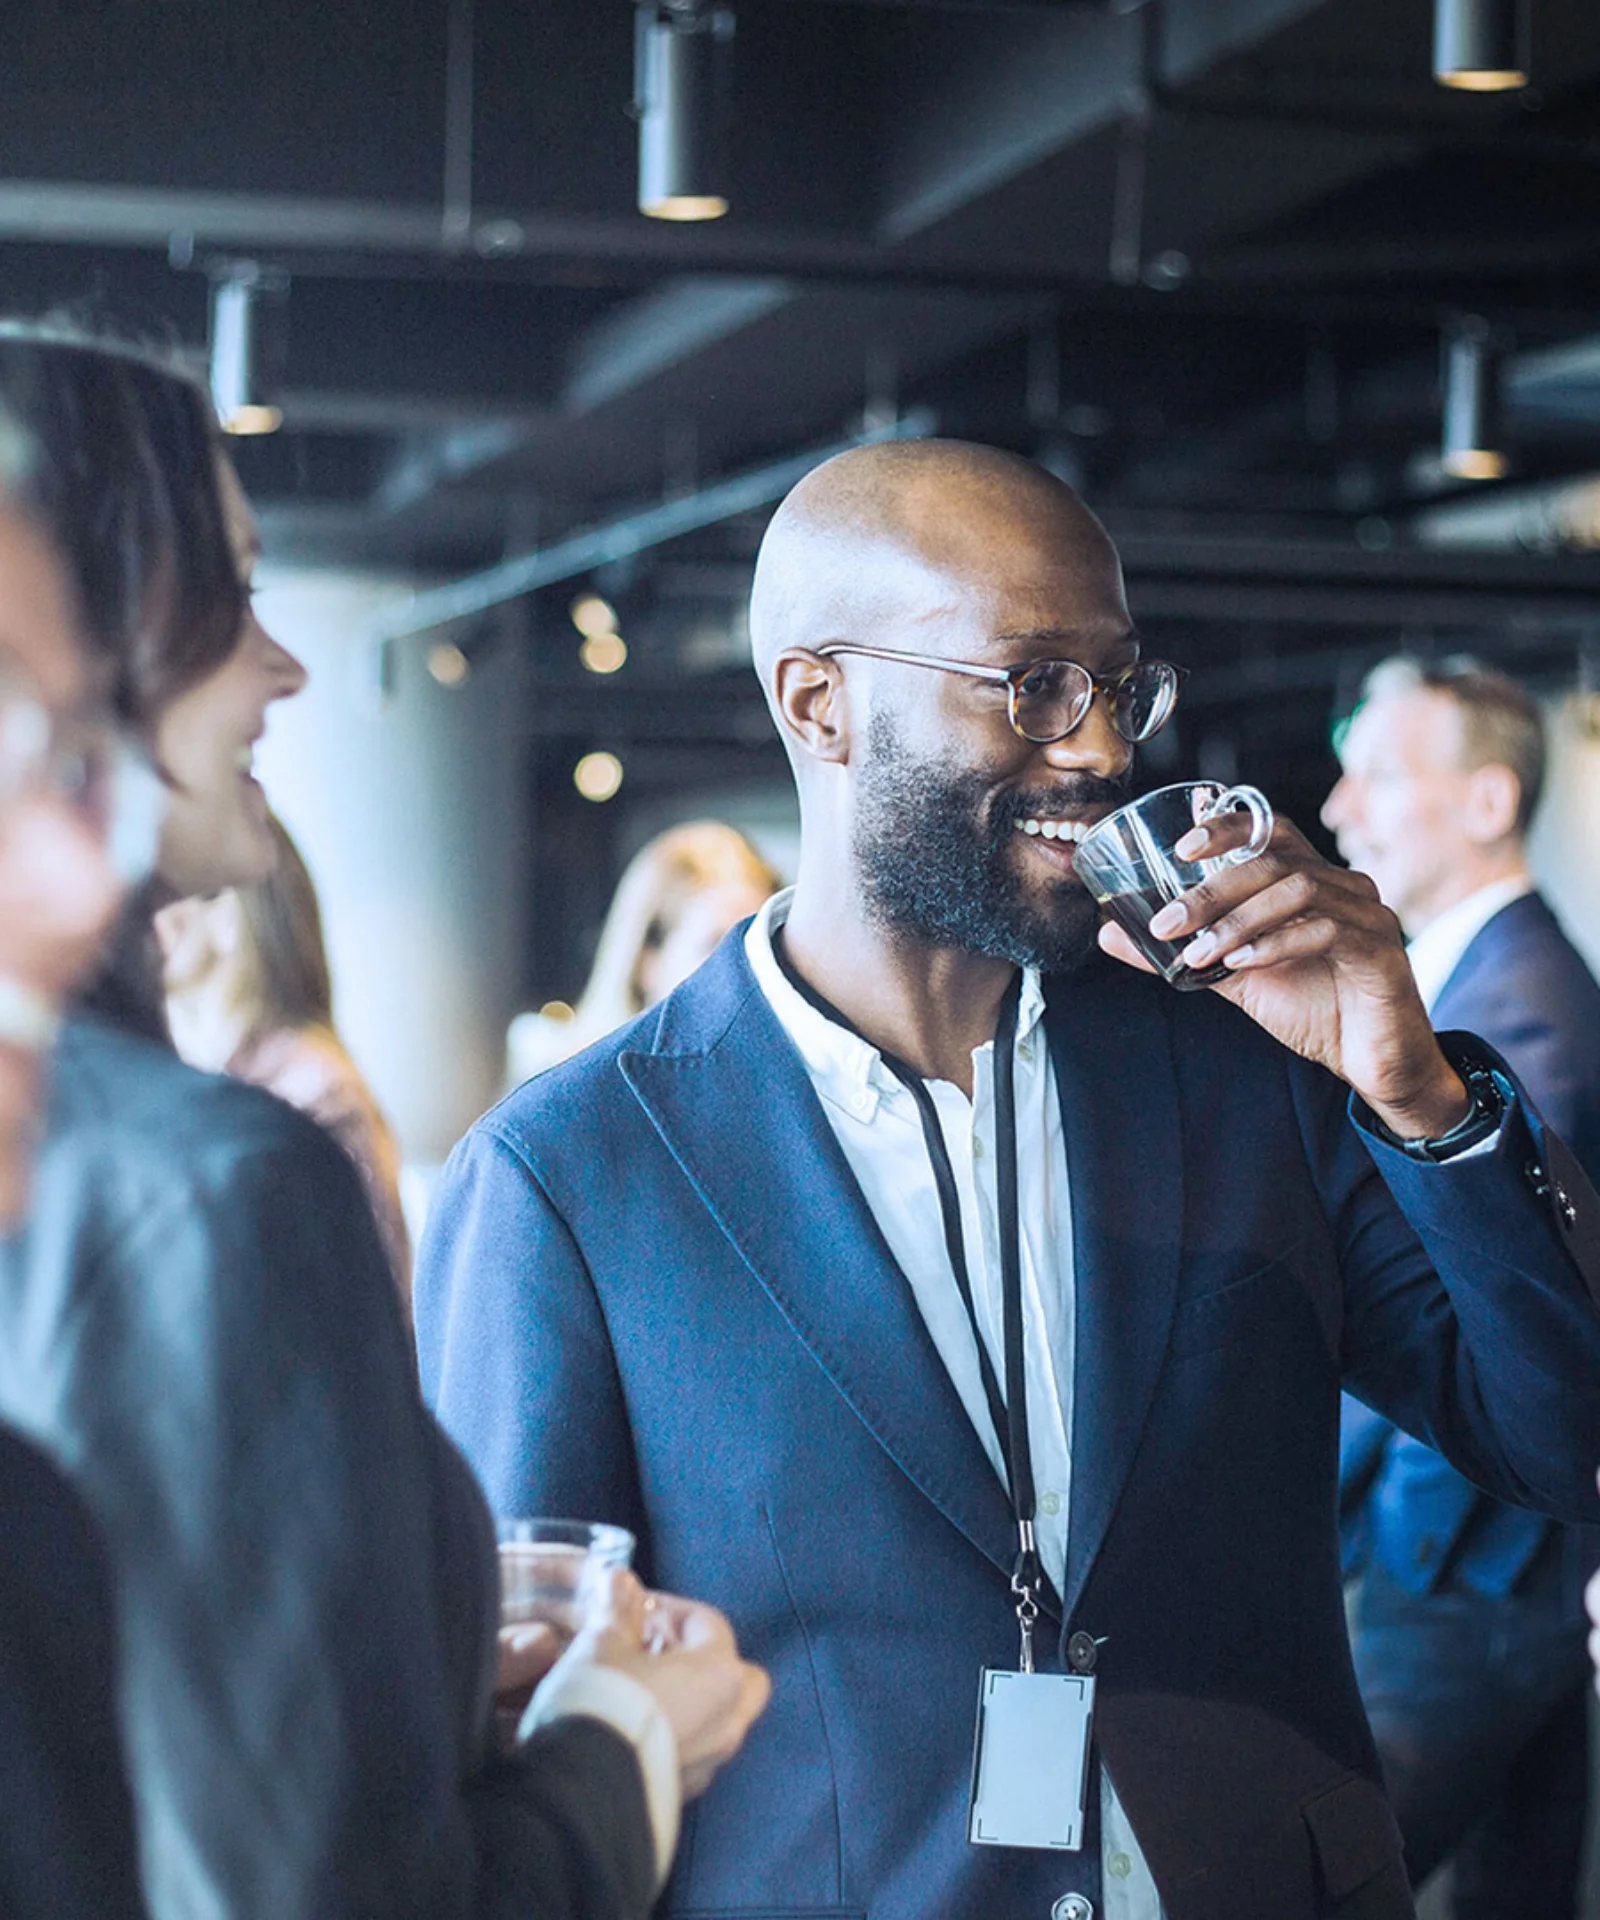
(679, 894)
(249, 993)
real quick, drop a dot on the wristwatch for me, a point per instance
(1488, 1094)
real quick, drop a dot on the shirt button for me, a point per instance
(977, 1149)
(1025, 1052)
(1050, 1502)
(1072, 1906)
(1119, 1864)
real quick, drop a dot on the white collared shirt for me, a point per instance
(875, 1120)
(1436, 952)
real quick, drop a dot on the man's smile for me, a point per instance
(1047, 829)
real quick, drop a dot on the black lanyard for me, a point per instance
(1010, 1414)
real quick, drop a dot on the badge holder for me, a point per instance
(1030, 1755)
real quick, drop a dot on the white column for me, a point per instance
(407, 799)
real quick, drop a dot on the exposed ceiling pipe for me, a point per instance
(628, 534)
(1560, 516)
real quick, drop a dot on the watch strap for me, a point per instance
(1490, 1095)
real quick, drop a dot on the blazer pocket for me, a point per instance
(1234, 1312)
(1353, 1835)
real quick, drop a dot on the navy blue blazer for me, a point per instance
(1525, 988)
(652, 1292)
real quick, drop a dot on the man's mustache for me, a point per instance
(1072, 793)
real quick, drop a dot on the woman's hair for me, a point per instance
(657, 884)
(118, 465)
(280, 971)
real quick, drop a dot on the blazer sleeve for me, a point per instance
(306, 1685)
(1525, 987)
(507, 1317)
(1485, 1340)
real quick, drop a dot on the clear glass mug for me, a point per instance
(550, 1572)
(1127, 862)
(551, 1569)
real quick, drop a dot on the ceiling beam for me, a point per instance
(622, 537)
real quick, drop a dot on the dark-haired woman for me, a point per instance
(67, 1846)
(201, 1324)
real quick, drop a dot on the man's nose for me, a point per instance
(1094, 745)
(1340, 803)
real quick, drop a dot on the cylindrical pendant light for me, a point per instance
(239, 385)
(679, 49)
(1480, 45)
(1469, 442)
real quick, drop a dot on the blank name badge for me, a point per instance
(1030, 1761)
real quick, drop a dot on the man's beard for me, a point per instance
(933, 866)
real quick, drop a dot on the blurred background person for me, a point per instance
(1468, 1622)
(249, 993)
(67, 1845)
(198, 1320)
(678, 895)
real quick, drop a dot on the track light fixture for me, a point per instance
(1468, 445)
(240, 377)
(680, 54)
(1480, 46)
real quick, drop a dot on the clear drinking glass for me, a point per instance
(1127, 863)
(551, 1569)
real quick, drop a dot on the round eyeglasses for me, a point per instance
(1048, 699)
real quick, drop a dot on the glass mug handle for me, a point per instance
(1257, 805)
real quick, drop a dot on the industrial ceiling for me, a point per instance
(1197, 255)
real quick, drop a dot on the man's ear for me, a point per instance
(809, 695)
(1494, 793)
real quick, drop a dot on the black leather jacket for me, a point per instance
(199, 1323)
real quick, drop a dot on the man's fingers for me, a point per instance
(1237, 887)
(1295, 896)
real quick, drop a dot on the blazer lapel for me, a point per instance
(1112, 1047)
(736, 1110)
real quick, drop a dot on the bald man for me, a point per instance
(931, 1287)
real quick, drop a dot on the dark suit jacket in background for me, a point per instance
(67, 1849)
(1524, 987)
(200, 1324)
(652, 1292)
